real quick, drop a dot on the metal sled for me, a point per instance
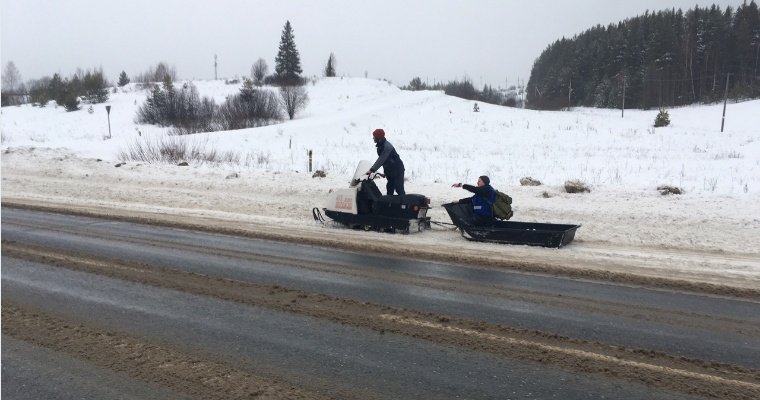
(509, 232)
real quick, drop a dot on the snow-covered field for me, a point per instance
(708, 234)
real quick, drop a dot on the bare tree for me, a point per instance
(11, 77)
(293, 99)
(13, 91)
(157, 74)
(259, 71)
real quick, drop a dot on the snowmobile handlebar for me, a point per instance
(373, 175)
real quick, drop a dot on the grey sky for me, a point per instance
(489, 41)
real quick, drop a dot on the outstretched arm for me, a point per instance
(479, 190)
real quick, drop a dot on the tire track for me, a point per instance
(338, 242)
(652, 314)
(157, 364)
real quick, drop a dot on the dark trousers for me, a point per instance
(395, 183)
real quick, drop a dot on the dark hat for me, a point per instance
(485, 179)
(378, 133)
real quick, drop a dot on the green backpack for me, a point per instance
(502, 206)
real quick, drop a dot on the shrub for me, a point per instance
(662, 119)
(70, 101)
(528, 181)
(293, 99)
(576, 186)
(667, 189)
(250, 108)
(174, 150)
(183, 109)
(186, 112)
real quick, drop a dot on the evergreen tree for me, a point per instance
(247, 91)
(68, 96)
(662, 58)
(55, 89)
(123, 79)
(288, 62)
(95, 87)
(330, 67)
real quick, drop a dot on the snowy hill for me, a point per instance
(441, 139)
(708, 234)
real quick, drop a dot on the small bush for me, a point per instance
(175, 150)
(576, 186)
(70, 102)
(667, 189)
(662, 119)
(528, 181)
(319, 174)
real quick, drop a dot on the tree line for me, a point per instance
(659, 59)
(182, 107)
(466, 90)
(83, 86)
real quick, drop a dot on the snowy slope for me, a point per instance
(710, 233)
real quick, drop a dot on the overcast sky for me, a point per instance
(490, 41)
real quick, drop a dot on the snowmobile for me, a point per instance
(363, 206)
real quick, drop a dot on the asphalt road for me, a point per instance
(94, 308)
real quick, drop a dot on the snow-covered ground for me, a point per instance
(708, 234)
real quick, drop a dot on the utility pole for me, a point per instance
(622, 109)
(215, 78)
(725, 100)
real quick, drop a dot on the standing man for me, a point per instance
(388, 158)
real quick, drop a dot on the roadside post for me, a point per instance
(108, 111)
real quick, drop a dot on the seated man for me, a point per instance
(482, 200)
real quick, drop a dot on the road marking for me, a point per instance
(571, 352)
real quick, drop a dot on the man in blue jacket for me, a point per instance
(484, 196)
(388, 158)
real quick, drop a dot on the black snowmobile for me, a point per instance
(363, 206)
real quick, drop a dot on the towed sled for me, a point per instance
(363, 206)
(509, 232)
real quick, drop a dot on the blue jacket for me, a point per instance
(479, 204)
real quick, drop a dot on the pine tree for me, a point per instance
(123, 79)
(247, 91)
(288, 62)
(330, 67)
